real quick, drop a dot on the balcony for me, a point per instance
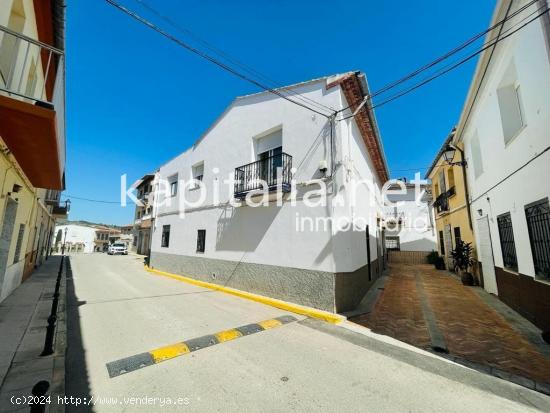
(52, 197)
(32, 105)
(441, 203)
(271, 172)
(61, 211)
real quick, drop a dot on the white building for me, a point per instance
(277, 250)
(505, 128)
(409, 223)
(77, 238)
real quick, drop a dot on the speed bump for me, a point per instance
(158, 355)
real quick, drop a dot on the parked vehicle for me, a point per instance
(118, 248)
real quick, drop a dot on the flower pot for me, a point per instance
(467, 279)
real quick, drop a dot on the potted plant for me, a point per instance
(432, 257)
(463, 261)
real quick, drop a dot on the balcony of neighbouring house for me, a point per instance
(271, 172)
(52, 197)
(61, 210)
(441, 203)
(32, 107)
(393, 218)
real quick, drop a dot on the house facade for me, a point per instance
(143, 219)
(504, 132)
(409, 223)
(293, 246)
(32, 134)
(77, 238)
(453, 221)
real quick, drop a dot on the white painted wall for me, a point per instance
(78, 233)
(417, 231)
(268, 235)
(528, 51)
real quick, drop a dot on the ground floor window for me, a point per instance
(392, 243)
(507, 242)
(538, 224)
(201, 239)
(20, 235)
(165, 240)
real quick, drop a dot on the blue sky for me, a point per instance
(136, 100)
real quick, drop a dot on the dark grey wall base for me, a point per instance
(319, 289)
(351, 287)
(305, 287)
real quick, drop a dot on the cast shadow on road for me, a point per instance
(76, 371)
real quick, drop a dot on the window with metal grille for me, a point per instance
(165, 241)
(201, 239)
(507, 243)
(19, 242)
(392, 243)
(538, 224)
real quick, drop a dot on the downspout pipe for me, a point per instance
(462, 164)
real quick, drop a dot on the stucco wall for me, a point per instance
(77, 233)
(527, 51)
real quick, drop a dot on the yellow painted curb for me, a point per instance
(283, 305)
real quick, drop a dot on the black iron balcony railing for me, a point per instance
(441, 203)
(270, 172)
(28, 68)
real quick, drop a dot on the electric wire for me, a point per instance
(445, 56)
(206, 56)
(230, 58)
(451, 67)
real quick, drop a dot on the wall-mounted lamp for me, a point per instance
(480, 212)
(16, 188)
(449, 155)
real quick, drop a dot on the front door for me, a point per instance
(485, 249)
(271, 161)
(448, 247)
(6, 235)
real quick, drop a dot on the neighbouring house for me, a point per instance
(409, 225)
(290, 250)
(127, 235)
(105, 236)
(141, 242)
(32, 134)
(78, 238)
(504, 130)
(453, 221)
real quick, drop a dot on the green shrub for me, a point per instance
(432, 257)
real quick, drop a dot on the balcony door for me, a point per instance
(270, 161)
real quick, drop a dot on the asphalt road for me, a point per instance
(116, 310)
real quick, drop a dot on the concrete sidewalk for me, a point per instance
(23, 322)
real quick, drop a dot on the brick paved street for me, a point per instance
(472, 329)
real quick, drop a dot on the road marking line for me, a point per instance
(283, 305)
(158, 355)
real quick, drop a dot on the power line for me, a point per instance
(452, 66)
(230, 58)
(208, 57)
(446, 55)
(91, 200)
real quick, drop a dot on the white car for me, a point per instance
(118, 248)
